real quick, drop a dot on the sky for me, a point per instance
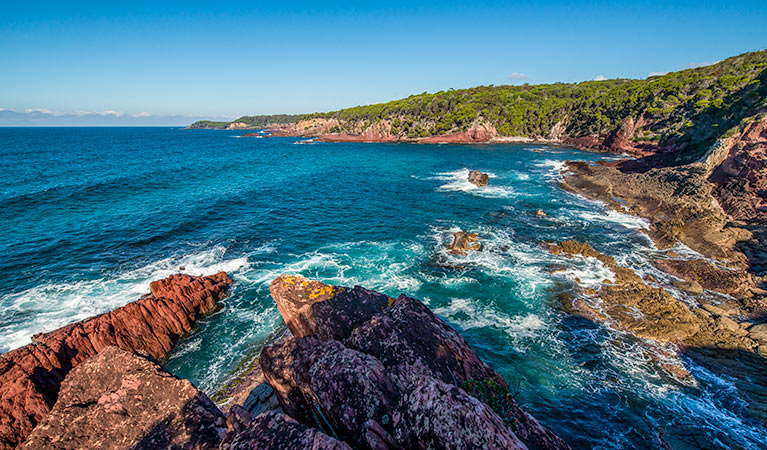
(169, 63)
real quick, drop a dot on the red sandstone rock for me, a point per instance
(478, 133)
(741, 179)
(120, 400)
(30, 376)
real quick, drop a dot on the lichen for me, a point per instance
(497, 397)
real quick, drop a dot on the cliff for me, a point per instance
(31, 376)
(679, 115)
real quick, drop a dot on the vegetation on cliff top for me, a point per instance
(250, 121)
(686, 109)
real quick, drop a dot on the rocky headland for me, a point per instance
(31, 376)
(356, 369)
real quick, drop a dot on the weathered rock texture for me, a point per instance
(273, 430)
(120, 400)
(630, 304)
(30, 377)
(478, 178)
(379, 372)
(464, 242)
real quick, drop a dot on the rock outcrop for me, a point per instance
(379, 372)
(120, 400)
(478, 178)
(630, 304)
(30, 376)
(464, 243)
(273, 430)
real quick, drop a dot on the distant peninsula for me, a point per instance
(247, 122)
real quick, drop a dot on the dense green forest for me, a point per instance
(251, 121)
(688, 108)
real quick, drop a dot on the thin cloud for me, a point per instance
(656, 74)
(695, 65)
(518, 76)
(600, 78)
(47, 117)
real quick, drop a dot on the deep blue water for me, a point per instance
(89, 216)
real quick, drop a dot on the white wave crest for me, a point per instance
(458, 181)
(469, 314)
(612, 216)
(50, 306)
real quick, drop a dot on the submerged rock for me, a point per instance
(380, 373)
(478, 178)
(119, 400)
(30, 376)
(464, 242)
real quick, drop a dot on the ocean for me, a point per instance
(90, 216)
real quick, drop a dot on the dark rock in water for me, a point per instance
(277, 431)
(383, 373)
(464, 242)
(478, 178)
(119, 400)
(30, 376)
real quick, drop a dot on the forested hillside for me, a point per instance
(687, 109)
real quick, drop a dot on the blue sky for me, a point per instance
(143, 60)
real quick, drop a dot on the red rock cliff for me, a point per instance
(31, 376)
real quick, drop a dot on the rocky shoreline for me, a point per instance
(357, 369)
(31, 376)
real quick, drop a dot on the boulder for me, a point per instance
(120, 400)
(30, 376)
(758, 332)
(691, 287)
(312, 308)
(329, 386)
(464, 242)
(478, 178)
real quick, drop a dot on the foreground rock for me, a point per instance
(478, 178)
(379, 372)
(273, 430)
(30, 377)
(119, 400)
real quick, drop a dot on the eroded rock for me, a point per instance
(30, 376)
(119, 400)
(274, 430)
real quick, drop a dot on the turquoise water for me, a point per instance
(88, 217)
